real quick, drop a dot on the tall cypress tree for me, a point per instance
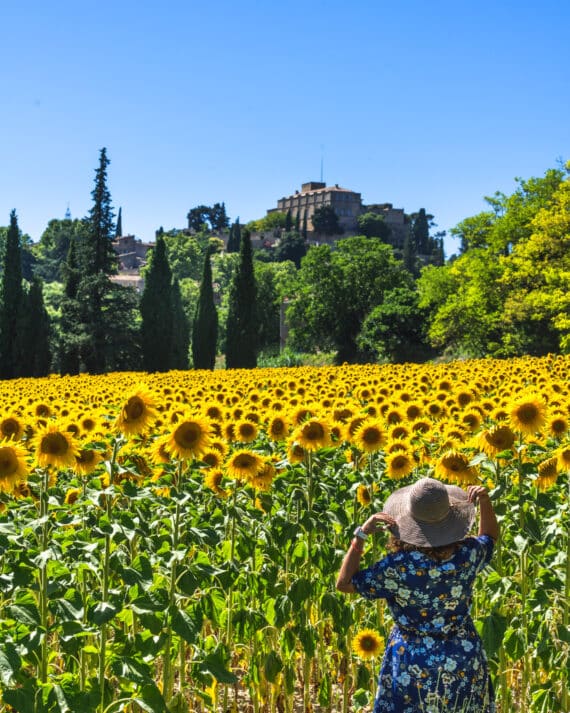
(180, 331)
(205, 325)
(156, 311)
(12, 295)
(70, 340)
(34, 334)
(97, 261)
(119, 228)
(234, 239)
(288, 221)
(241, 326)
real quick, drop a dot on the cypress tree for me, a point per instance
(34, 334)
(234, 239)
(288, 221)
(119, 229)
(69, 346)
(180, 332)
(12, 296)
(304, 228)
(97, 261)
(298, 221)
(156, 311)
(241, 326)
(205, 325)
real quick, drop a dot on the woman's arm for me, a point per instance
(351, 562)
(488, 524)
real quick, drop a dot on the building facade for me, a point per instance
(347, 205)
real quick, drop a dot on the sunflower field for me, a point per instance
(170, 542)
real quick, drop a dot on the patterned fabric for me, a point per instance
(434, 659)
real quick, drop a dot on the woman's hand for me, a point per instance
(476, 492)
(377, 522)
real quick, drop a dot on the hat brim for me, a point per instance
(453, 528)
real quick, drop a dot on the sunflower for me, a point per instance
(87, 460)
(471, 420)
(295, 453)
(190, 437)
(214, 413)
(13, 467)
(528, 415)
(54, 445)
(244, 465)
(557, 425)
(72, 496)
(313, 434)
(136, 414)
(370, 436)
(496, 440)
(367, 644)
(547, 473)
(399, 464)
(11, 427)
(364, 495)
(454, 465)
(213, 481)
(277, 428)
(245, 431)
(212, 458)
(158, 451)
(263, 480)
(563, 457)
(414, 410)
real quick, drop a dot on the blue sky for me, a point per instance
(421, 104)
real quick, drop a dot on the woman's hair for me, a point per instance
(442, 552)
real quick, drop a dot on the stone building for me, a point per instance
(347, 205)
(131, 252)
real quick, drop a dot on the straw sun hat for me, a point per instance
(430, 513)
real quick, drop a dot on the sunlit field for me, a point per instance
(170, 542)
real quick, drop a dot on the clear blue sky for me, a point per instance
(421, 104)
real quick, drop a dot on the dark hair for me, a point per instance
(442, 552)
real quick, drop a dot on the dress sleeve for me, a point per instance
(483, 546)
(374, 582)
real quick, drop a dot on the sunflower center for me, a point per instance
(314, 431)
(371, 436)
(134, 408)
(54, 444)
(368, 643)
(8, 462)
(187, 435)
(86, 457)
(9, 427)
(527, 413)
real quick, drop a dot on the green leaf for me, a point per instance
(24, 613)
(132, 670)
(21, 699)
(185, 626)
(300, 590)
(492, 631)
(214, 665)
(102, 612)
(325, 691)
(10, 664)
(513, 643)
(273, 666)
(308, 639)
(151, 700)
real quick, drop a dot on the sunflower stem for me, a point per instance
(44, 504)
(229, 623)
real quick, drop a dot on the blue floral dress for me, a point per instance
(434, 659)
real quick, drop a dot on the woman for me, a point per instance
(434, 659)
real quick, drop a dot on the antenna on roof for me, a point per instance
(322, 159)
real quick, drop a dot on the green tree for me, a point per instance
(288, 222)
(156, 312)
(336, 290)
(109, 312)
(395, 330)
(12, 296)
(291, 247)
(34, 334)
(234, 239)
(185, 253)
(373, 225)
(205, 325)
(325, 221)
(119, 228)
(421, 241)
(53, 246)
(181, 333)
(71, 333)
(241, 327)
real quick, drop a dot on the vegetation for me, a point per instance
(161, 552)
